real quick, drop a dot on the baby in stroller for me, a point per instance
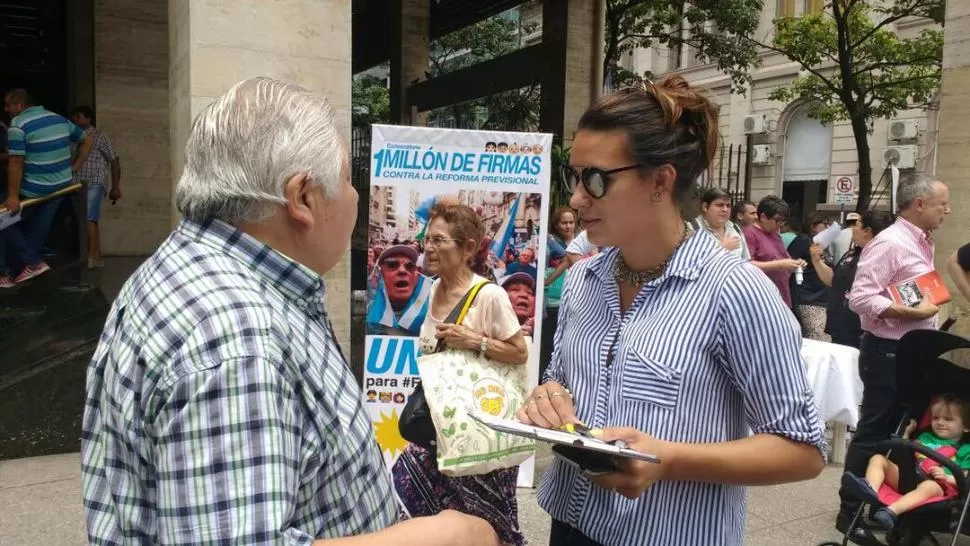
(947, 435)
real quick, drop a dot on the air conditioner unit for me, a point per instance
(755, 123)
(904, 157)
(903, 129)
(761, 154)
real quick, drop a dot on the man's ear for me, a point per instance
(299, 195)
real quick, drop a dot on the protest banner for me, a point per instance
(505, 177)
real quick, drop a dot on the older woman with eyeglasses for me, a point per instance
(653, 349)
(491, 328)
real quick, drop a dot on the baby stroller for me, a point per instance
(922, 374)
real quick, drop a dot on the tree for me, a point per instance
(515, 110)
(371, 101)
(857, 69)
(715, 29)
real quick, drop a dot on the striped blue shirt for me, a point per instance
(706, 353)
(43, 139)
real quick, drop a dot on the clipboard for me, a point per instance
(575, 442)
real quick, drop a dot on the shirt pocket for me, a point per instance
(647, 380)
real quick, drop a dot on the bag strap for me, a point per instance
(457, 315)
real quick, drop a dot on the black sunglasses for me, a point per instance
(595, 181)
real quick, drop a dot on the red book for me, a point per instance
(912, 291)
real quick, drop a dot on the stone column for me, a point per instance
(954, 141)
(216, 43)
(131, 102)
(410, 39)
(568, 27)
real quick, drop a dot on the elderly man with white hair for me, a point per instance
(220, 409)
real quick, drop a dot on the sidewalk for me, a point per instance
(40, 503)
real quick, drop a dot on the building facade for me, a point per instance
(793, 155)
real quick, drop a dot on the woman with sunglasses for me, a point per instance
(490, 327)
(666, 343)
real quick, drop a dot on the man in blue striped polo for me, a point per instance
(39, 165)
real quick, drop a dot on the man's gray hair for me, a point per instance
(911, 188)
(245, 146)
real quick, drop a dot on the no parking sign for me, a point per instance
(844, 189)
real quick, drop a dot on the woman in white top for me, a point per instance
(491, 328)
(715, 218)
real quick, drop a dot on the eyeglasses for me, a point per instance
(393, 264)
(595, 181)
(437, 242)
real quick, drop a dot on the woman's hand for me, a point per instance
(457, 336)
(634, 476)
(817, 252)
(549, 406)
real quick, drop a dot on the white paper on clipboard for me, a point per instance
(559, 437)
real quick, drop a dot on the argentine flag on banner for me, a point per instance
(381, 312)
(506, 233)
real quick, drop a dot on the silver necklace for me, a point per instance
(623, 274)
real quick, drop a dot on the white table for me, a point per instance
(833, 376)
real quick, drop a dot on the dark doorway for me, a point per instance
(803, 197)
(33, 46)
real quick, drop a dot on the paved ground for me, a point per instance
(40, 500)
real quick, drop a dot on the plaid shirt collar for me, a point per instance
(296, 282)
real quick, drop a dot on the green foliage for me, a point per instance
(371, 101)
(873, 72)
(515, 110)
(558, 194)
(857, 69)
(716, 30)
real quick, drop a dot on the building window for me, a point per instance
(786, 8)
(814, 7)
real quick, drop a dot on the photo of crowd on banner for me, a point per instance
(398, 283)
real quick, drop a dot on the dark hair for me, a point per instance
(817, 218)
(739, 208)
(557, 216)
(713, 194)
(951, 399)
(772, 206)
(20, 95)
(877, 220)
(85, 111)
(669, 122)
(794, 224)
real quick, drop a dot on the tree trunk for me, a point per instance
(861, 133)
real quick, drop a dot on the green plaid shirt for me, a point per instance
(220, 409)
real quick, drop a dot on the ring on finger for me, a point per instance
(557, 393)
(540, 396)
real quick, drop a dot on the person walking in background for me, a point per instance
(809, 294)
(900, 252)
(715, 218)
(767, 250)
(94, 175)
(39, 164)
(666, 333)
(841, 322)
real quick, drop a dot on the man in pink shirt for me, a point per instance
(900, 252)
